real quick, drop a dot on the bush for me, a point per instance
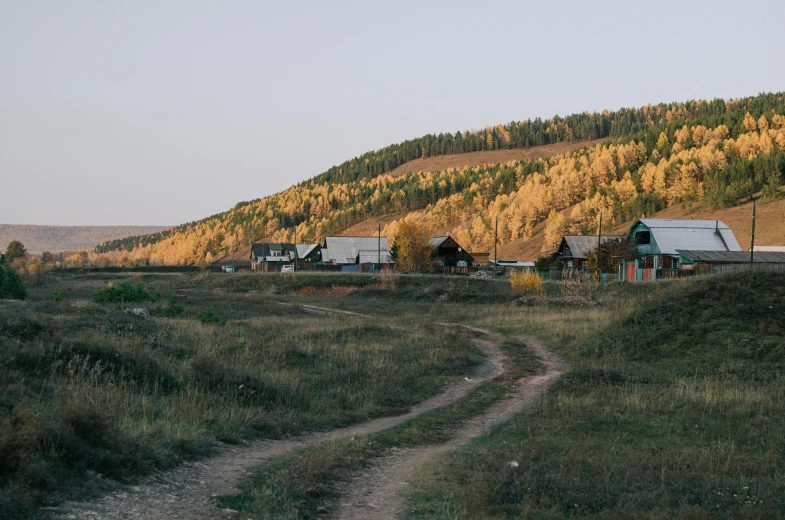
(210, 316)
(124, 292)
(172, 309)
(11, 285)
(526, 283)
(388, 278)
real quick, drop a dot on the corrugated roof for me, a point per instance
(672, 235)
(760, 257)
(372, 257)
(344, 250)
(581, 245)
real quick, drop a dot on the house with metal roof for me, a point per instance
(658, 241)
(266, 257)
(574, 249)
(345, 251)
(448, 253)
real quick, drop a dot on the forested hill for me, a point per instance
(663, 140)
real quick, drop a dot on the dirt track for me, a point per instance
(376, 492)
(190, 491)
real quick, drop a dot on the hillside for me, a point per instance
(55, 239)
(710, 154)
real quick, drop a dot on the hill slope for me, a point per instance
(68, 238)
(716, 153)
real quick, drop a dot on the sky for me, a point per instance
(159, 112)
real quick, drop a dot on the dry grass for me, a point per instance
(528, 283)
(442, 162)
(88, 388)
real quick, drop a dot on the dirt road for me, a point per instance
(376, 491)
(190, 491)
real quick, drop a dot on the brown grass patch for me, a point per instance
(442, 162)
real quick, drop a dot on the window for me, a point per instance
(642, 237)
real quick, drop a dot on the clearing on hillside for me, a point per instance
(441, 162)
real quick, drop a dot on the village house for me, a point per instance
(345, 251)
(269, 257)
(448, 253)
(658, 241)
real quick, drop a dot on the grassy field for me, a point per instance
(674, 407)
(87, 390)
(674, 404)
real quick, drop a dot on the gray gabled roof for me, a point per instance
(344, 250)
(581, 245)
(437, 241)
(706, 235)
(303, 250)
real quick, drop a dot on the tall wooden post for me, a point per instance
(380, 244)
(495, 242)
(599, 243)
(752, 237)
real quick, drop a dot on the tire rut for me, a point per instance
(190, 491)
(375, 492)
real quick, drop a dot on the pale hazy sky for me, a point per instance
(162, 112)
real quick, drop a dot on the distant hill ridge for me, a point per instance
(56, 239)
(625, 163)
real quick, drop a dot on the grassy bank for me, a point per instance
(87, 389)
(674, 407)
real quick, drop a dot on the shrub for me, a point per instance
(526, 283)
(124, 292)
(210, 316)
(388, 278)
(11, 285)
(172, 309)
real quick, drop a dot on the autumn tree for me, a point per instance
(411, 250)
(555, 226)
(14, 251)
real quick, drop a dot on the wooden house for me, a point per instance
(270, 257)
(448, 253)
(658, 241)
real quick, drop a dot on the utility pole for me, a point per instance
(295, 249)
(380, 244)
(599, 244)
(752, 237)
(495, 241)
(233, 268)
